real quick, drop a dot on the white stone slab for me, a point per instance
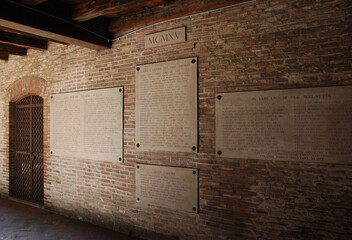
(165, 37)
(88, 124)
(170, 187)
(166, 106)
(309, 125)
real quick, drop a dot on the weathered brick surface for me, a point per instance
(258, 45)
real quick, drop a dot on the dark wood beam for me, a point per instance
(56, 8)
(16, 16)
(28, 35)
(73, 1)
(99, 25)
(175, 9)
(9, 49)
(95, 8)
(33, 2)
(23, 41)
(4, 56)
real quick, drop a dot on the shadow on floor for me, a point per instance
(19, 221)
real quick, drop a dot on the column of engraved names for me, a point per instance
(341, 127)
(322, 127)
(164, 187)
(67, 132)
(100, 128)
(163, 111)
(256, 130)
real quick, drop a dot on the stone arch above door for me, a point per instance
(30, 85)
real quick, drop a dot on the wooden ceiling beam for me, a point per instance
(73, 1)
(96, 8)
(16, 16)
(10, 49)
(174, 9)
(22, 41)
(32, 2)
(4, 56)
(28, 35)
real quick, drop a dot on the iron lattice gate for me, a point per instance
(27, 166)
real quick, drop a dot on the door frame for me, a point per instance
(12, 149)
(18, 89)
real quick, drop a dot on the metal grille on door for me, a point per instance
(28, 159)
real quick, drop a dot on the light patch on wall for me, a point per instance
(294, 79)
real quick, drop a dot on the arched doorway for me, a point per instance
(26, 149)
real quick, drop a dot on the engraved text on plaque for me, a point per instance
(171, 187)
(311, 124)
(166, 106)
(88, 124)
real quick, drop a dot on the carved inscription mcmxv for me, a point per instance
(171, 187)
(312, 124)
(166, 106)
(88, 124)
(166, 37)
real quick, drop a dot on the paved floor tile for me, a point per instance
(23, 222)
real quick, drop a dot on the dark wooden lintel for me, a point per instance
(10, 49)
(22, 41)
(33, 2)
(4, 56)
(28, 35)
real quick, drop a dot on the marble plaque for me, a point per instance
(88, 124)
(166, 37)
(166, 106)
(170, 187)
(309, 125)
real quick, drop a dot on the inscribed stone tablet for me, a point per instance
(166, 106)
(88, 124)
(311, 124)
(171, 187)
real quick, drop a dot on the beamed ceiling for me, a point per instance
(30, 24)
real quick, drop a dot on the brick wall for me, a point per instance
(258, 45)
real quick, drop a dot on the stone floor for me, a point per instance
(23, 222)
